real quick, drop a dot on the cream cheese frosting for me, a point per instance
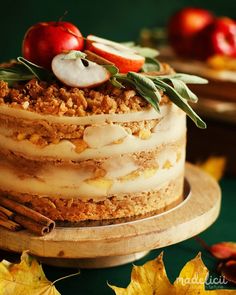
(102, 141)
(73, 183)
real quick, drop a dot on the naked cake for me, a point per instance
(94, 154)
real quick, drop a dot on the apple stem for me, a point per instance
(62, 16)
(202, 243)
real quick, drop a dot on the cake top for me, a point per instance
(58, 99)
(99, 77)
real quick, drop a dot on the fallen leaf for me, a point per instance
(228, 270)
(151, 279)
(223, 250)
(225, 253)
(215, 166)
(25, 278)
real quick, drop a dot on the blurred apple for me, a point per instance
(218, 38)
(45, 40)
(184, 26)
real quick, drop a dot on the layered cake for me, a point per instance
(116, 157)
(94, 154)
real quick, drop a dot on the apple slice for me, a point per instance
(125, 58)
(78, 72)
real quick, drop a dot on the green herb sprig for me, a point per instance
(150, 88)
(24, 70)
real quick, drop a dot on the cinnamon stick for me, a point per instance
(9, 214)
(9, 224)
(32, 226)
(3, 216)
(28, 218)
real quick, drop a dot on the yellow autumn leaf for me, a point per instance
(25, 278)
(151, 279)
(215, 166)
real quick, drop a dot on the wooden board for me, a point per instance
(111, 245)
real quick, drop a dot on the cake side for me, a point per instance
(96, 167)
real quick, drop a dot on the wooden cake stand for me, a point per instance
(112, 245)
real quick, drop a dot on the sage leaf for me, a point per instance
(143, 51)
(112, 69)
(128, 43)
(142, 86)
(142, 79)
(186, 78)
(151, 65)
(182, 89)
(116, 83)
(159, 87)
(182, 104)
(74, 54)
(39, 72)
(151, 97)
(153, 103)
(146, 51)
(145, 85)
(15, 73)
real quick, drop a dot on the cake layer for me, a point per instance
(102, 140)
(122, 206)
(117, 175)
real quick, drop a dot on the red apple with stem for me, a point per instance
(183, 27)
(218, 38)
(45, 40)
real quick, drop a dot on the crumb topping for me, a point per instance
(57, 99)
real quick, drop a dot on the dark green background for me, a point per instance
(119, 20)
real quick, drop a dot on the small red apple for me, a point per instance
(126, 59)
(183, 27)
(218, 38)
(45, 40)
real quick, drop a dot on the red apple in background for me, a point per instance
(45, 40)
(219, 38)
(184, 26)
(126, 59)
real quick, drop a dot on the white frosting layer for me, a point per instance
(119, 166)
(170, 129)
(69, 183)
(102, 135)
